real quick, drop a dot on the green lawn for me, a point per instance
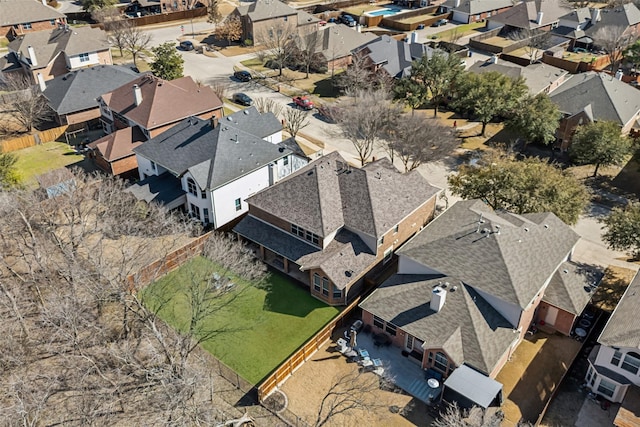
(36, 160)
(460, 30)
(268, 323)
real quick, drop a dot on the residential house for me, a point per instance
(530, 15)
(573, 24)
(626, 18)
(614, 365)
(74, 96)
(329, 225)
(18, 17)
(469, 11)
(151, 105)
(393, 57)
(591, 97)
(334, 44)
(264, 18)
(44, 55)
(539, 77)
(472, 282)
(209, 168)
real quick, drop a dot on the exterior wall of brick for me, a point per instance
(157, 131)
(125, 165)
(105, 58)
(55, 68)
(35, 26)
(102, 163)
(270, 219)
(502, 361)
(408, 227)
(564, 319)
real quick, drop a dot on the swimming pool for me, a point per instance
(384, 12)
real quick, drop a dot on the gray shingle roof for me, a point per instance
(571, 287)
(22, 11)
(537, 76)
(214, 156)
(511, 264)
(625, 16)
(623, 327)
(328, 194)
(467, 327)
(338, 41)
(396, 55)
(266, 9)
(343, 260)
(473, 7)
(48, 44)
(524, 14)
(79, 90)
(578, 16)
(609, 98)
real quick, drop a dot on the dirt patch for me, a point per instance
(612, 287)
(309, 384)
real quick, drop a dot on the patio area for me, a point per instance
(404, 372)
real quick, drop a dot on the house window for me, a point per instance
(396, 228)
(305, 234)
(195, 211)
(238, 204)
(381, 241)
(325, 286)
(590, 376)
(337, 293)
(52, 22)
(205, 214)
(391, 329)
(378, 322)
(615, 360)
(606, 387)
(631, 363)
(312, 238)
(285, 161)
(387, 255)
(441, 362)
(298, 231)
(317, 282)
(26, 26)
(191, 187)
(84, 57)
(203, 194)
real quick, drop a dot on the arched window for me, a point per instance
(191, 186)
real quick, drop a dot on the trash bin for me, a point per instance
(470, 54)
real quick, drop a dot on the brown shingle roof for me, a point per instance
(119, 144)
(163, 102)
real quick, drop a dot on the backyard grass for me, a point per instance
(126, 58)
(263, 325)
(36, 160)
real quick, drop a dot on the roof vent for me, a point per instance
(565, 271)
(546, 226)
(454, 288)
(246, 112)
(230, 118)
(526, 229)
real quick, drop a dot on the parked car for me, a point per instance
(242, 99)
(332, 20)
(303, 102)
(186, 45)
(440, 22)
(348, 20)
(322, 23)
(243, 76)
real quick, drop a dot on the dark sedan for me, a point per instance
(242, 99)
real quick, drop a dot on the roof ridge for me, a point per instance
(606, 90)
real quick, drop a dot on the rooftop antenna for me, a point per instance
(497, 229)
(480, 221)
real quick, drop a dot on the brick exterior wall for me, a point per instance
(205, 116)
(105, 58)
(408, 227)
(55, 68)
(8, 31)
(564, 319)
(124, 165)
(485, 15)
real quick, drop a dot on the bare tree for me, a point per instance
(365, 121)
(136, 41)
(230, 29)
(358, 75)
(535, 41)
(453, 416)
(614, 39)
(268, 105)
(277, 40)
(416, 140)
(119, 27)
(295, 119)
(348, 396)
(28, 106)
(220, 89)
(213, 12)
(307, 47)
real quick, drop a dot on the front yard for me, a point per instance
(261, 325)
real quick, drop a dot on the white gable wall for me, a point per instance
(408, 266)
(509, 311)
(224, 207)
(74, 62)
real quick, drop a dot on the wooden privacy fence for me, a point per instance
(162, 266)
(160, 18)
(31, 140)
(283, 371)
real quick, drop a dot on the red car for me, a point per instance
(303, 102)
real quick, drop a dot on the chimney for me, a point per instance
(438, 296)
(44, 2)
(539, 18)
(413, 37)
(41, 82)
(619, 74)
(494, 59)
(595, 16)
(456, 4)
(32, 56)
(214, 122)
(137, 94)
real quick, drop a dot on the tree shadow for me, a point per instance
(284, 296)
